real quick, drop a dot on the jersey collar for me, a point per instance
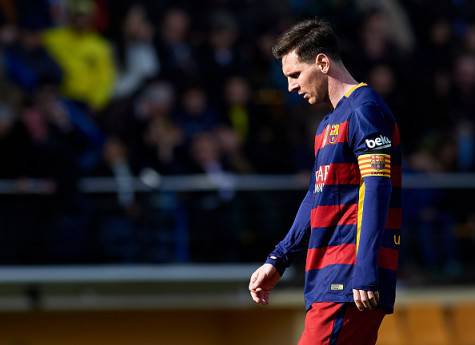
(353, 88)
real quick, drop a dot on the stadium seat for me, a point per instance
(426, 324)
(463, 321)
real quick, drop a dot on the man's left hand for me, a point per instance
(365, 300)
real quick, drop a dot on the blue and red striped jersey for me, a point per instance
(349, 221)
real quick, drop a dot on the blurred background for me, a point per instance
(152, 157)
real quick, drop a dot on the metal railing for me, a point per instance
(192, 183)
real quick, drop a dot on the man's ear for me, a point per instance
(323, 63)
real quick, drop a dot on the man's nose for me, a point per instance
(293, 86)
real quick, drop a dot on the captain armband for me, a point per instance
(375, 164)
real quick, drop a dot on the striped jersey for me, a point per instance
(349, 221)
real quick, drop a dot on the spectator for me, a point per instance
(28, 64)
(11, 137)
(242, 116)
(176, 53)
(237, 108)
(118, 227)
(431, 224)
(139, 58)
(155, 141)
(398, 27)
(232, 153)
(84, 56)
(195, 114)
(209, 210)
(221, 57)
(462, 98)
(382, 78)
(376, 43)
(55, 142)
(50, 150)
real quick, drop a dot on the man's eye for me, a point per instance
(294, 75)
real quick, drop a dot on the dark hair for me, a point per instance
(309, 38)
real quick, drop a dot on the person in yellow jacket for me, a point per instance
(85, 57)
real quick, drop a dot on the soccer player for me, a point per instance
(349, 220)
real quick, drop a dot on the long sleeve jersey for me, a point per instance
(349, 221)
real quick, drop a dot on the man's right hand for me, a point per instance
(262, 282)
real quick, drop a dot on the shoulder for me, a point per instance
(366, 103)
(56, 33)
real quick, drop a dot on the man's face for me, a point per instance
(81, 21)
(305, 78)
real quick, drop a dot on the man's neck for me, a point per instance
(340, 82)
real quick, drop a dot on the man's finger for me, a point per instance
(357, 299)
(260, 296)
(376, 294)
(265, 297)
(372, 299)
(254, 296)
(364, 299)
(253, 280)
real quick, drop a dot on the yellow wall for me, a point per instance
(256, 326)
(412, 324)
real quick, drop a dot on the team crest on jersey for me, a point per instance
(333, 134)
(378, 162)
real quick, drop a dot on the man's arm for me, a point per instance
(266, 277)
(296, 239)
(375, 205)
(370, 137)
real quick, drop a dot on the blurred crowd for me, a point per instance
(116, 88)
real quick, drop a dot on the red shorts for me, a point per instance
(331, 323)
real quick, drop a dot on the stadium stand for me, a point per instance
(169, 131)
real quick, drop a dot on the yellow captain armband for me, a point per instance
(375, 164)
